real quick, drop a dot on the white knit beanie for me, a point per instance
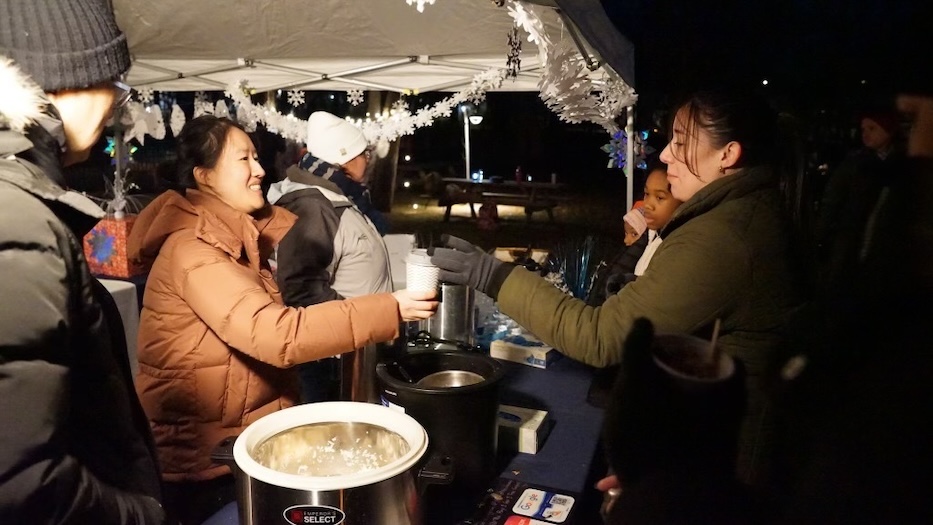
(332, 139)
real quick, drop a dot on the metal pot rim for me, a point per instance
(337, 411)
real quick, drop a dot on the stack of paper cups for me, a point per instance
(421, 275)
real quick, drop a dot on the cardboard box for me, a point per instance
(105, 248)
(522, 429)
(525, 350)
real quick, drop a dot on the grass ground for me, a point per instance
(585, 214)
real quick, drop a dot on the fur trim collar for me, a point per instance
(22, 101)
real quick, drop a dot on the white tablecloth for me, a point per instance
(124, 294)
(398, 246)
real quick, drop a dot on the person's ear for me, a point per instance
(730, 155)
(201, 176)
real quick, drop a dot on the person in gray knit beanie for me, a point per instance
(77, 447)
(68, 54)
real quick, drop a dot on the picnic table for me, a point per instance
(533, 196)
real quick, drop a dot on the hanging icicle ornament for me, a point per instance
(145, 95)
(221, 110)
(419, 4)
(355, 96)
(155, 122)
(513, 61)
(177, 120)
(296, 98)
(202, 105)
(135, 122)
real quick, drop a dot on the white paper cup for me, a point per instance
(420, 274)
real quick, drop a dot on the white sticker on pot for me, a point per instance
(393, 406)
(544, 505)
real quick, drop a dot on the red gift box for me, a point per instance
(105, 248)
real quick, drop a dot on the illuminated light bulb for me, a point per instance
(406, 184)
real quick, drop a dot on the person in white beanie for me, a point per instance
(335, 250)
(338, 152)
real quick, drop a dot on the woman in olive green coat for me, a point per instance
(726, 255)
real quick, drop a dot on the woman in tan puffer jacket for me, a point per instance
(215, 340)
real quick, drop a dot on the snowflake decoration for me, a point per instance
(616, 149)
(296, 98)
(200, 96)
(355, 96)
(400, 105)
(423, 118)
(145, 95)
(420, 4)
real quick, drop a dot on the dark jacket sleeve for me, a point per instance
(41, 480)
(617, 273)
(307, 250)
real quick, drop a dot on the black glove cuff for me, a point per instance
(498, 277)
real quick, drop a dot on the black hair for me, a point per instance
(200, 144)
(655, 164)
(767, 139)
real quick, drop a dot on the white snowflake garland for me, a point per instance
(296, 98)
(400, 123)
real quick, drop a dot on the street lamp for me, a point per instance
(471, 119)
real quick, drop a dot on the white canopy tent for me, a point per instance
(387, 45)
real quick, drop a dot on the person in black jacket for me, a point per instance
(75, 446)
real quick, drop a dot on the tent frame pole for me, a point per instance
(629, 156)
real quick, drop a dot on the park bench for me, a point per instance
(532, 197)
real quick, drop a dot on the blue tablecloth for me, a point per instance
(564, 461)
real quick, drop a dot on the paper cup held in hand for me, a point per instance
(421, 275)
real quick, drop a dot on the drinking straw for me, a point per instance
(714, 348)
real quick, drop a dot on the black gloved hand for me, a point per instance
(617, 281)
(464, 263)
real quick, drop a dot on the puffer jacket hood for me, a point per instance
(31, 135)
(213, 221)
(299, 179)
(23, 101)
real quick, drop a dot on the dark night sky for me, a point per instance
(811, 51)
